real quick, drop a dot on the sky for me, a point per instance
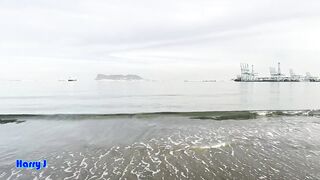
(156, 39)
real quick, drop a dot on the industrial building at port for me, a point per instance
(248, 75)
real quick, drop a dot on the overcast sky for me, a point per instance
(157, 39)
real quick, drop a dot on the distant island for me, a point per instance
(119, 77)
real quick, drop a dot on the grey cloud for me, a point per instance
(155, 32)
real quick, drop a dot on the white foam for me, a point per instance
(215, 146)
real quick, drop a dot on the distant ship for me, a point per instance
(70, 80)
(248, 75)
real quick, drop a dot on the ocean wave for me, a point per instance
(201, 115)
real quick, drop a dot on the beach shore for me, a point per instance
(169, 146)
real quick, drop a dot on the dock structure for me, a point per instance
(276, 75)
(246, 75)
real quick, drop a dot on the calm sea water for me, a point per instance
(131, 97)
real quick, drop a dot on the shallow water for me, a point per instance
(169, 146)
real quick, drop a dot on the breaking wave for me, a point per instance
(200, 115)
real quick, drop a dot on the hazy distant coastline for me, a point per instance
(118, 77)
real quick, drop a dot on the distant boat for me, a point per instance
(70, 80)
(205, 81)
(209, 80)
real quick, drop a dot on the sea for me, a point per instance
(105, 97)
(160, 130)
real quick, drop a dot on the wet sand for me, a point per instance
(163, 146)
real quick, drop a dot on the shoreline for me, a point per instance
(169, 146)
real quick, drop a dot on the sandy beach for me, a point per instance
(163, 146)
